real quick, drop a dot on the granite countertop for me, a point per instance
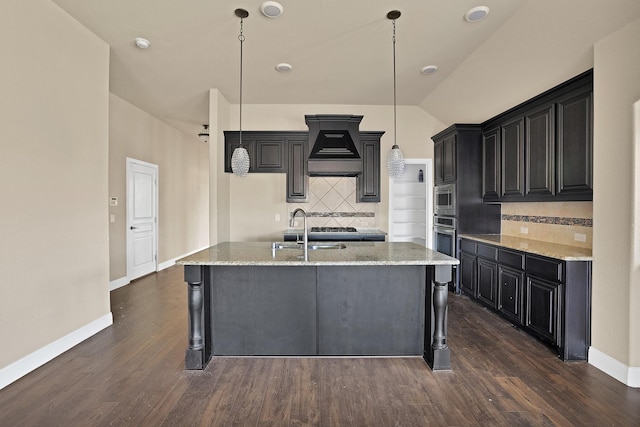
(355, 253)
(551, 250)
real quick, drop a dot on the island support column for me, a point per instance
(196, 356)
(436, 351)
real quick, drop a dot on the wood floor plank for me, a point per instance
(133, 374)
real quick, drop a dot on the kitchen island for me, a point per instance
(347, 299)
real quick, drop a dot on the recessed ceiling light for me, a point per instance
(476, 14)
(284, 67)
(142, 43)
(429, 69)
(271, 9)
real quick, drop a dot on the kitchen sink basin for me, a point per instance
(312, 245)
(327, 246)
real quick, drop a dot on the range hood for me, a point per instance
(333, 145)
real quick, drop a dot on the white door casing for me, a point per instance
(142, 217)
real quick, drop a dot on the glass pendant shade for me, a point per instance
(395, 162)
(240, 161)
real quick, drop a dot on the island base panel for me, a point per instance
(371, 310)
(268, 311)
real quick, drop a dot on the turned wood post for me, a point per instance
(194, 357)
(437, 352)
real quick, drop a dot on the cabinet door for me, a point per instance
(487, 282)
(438, 157)
(510, 286)
(468, 273)
(491, 165)
(540, 149)
(449, 159)
(512, 161)
(575, 146)
(270, 155)
(543, 309)
(368, 182)
(297, 179)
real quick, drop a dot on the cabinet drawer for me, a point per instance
(468, 246)
(488, 252)
(511, 259)
(544, 268)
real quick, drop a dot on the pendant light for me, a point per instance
(395, 160)
(240, 158)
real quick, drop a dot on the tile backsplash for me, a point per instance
(332, 203)
(566, 223)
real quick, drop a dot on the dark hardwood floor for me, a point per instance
(132, 374)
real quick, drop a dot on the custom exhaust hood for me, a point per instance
(333, 145)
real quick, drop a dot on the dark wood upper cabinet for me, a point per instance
(575, 145)
(545, 147)
(368, 182)
(491, 165)
(445, 160)
(297, 178)
(271, 155)
(288, 152)
(512, 158)
(539, 151)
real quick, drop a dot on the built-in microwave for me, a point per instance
(444, 200)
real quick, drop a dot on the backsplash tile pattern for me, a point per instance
(583, 222)
(556, 222)
(332, 203)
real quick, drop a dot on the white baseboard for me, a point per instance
(629, 376)
(32, 361)
(172, 262)
(118, 283)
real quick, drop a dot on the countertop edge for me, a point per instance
(536, 247)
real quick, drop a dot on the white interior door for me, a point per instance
(142, 218)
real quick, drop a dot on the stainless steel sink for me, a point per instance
(312, 246)
(327, 246)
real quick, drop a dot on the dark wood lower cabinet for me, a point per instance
(549, 298)
(468, 273)
(510, 285)
(543, 307)
(487, 284)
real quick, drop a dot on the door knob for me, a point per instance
(133, 228)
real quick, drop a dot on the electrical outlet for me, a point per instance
(579, 237)
(524, 230)
(277, 217)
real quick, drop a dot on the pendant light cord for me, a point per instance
(395, 127)
(241, 38)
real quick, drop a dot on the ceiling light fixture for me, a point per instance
(240, 158)
(476, 14)
(429, 69)
(395, 160)
(284, 67)
(142, 43)
(271, 9)
(204, 134)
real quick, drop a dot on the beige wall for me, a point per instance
(183, 183)
(54, 82)
(616, 279)
(257, 198)
(219, 182)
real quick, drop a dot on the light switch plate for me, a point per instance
(524, 230)
(113, 201)
(579, 237)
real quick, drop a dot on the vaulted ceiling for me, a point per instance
(340, 51)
